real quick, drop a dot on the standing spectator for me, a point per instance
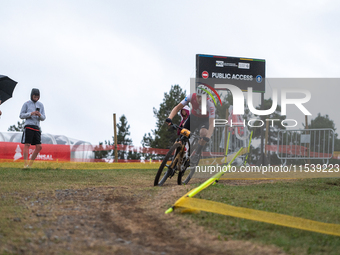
(0, 110)
(33, 112)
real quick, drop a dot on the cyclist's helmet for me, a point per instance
(201, 90)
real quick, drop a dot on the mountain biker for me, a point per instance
(185, 112)
(197, 119)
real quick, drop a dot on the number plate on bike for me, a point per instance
(185, 132)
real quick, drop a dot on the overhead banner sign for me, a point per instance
(241, 72)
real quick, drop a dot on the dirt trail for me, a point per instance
(120, 220)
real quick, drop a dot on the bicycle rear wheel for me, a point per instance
(165, 170)
(185, 175)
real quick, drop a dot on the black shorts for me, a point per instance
(31, 135)
(195, 122)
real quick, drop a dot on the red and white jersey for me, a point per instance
(197, 108)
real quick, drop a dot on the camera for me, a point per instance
(37, 109)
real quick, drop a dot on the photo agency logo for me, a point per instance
(238, 105)
(209, 91)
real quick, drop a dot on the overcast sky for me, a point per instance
(91, 59)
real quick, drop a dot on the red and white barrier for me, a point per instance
(49, 152)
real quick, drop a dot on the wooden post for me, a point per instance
(261, 132)
(307, 132)
(266, 138)
(115, 137)
(226, 132)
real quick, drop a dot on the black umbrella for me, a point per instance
(7, 86)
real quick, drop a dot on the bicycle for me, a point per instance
(180, 159)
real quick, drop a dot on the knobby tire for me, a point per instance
(164, 168)
(188, 172)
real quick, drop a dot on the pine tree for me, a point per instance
(322, 122)
(122, 139)
(19, 128)
(162, 137)
(122, 136)
(101, 152)
(325, 122)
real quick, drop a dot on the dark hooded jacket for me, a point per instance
(35, 92)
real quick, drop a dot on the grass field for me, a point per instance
(314, 199)
(53, 190)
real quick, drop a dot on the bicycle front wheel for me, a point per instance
(165, 170)
(188, 168)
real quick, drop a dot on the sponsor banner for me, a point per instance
(49, 152)
(241, 72)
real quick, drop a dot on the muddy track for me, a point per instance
(119, 220)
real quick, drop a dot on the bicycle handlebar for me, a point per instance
(174, 126)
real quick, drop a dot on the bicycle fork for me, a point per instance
(177, 162)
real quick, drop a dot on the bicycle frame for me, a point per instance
(183, 140)
(185, 135)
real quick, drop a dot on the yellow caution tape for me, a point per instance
(227, 148)
(211, 180)
(207, 183)
(257, 215)
(187, 201)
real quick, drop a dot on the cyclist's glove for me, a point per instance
(168, 120)
(207, 139)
